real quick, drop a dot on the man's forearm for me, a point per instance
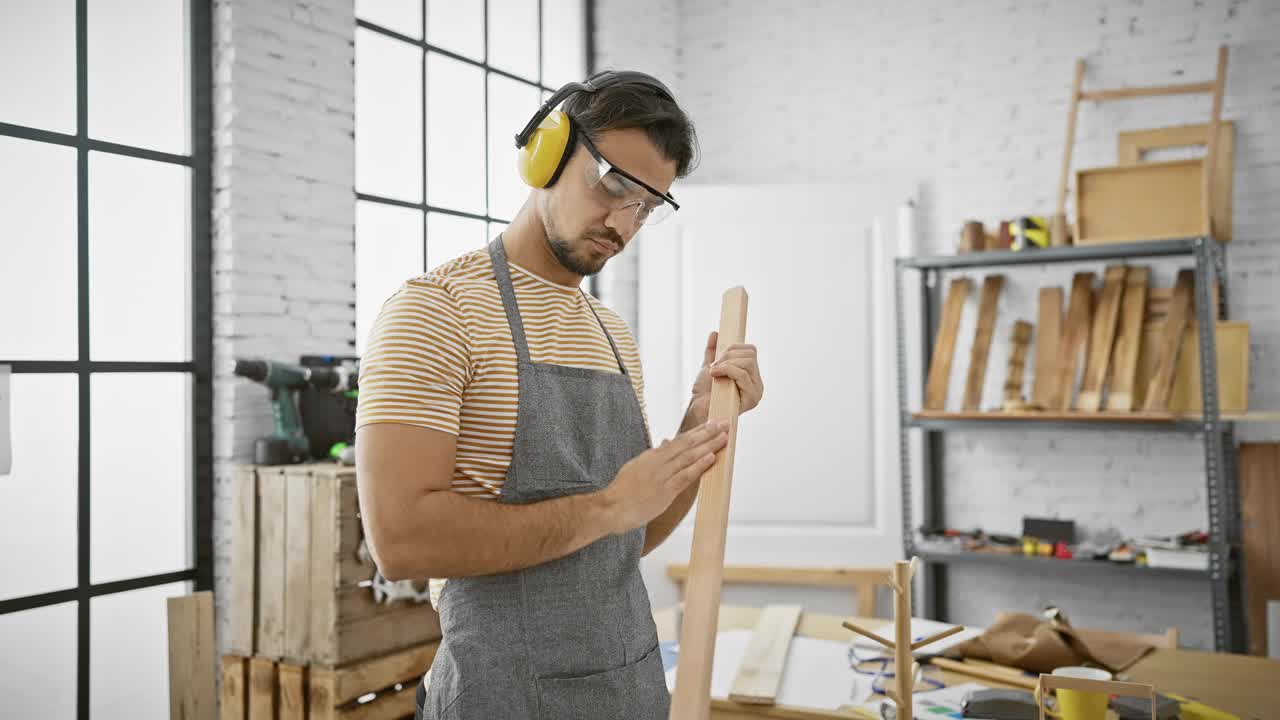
(661, 527)
(460, 536)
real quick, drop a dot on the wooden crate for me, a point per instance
(1147, 201)
(382, 688)
(299, 590)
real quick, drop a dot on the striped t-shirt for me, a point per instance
(440, 356)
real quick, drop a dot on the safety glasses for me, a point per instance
(617, 189)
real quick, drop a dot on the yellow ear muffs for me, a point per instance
(543, 158)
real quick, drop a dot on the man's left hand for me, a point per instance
(738, 363)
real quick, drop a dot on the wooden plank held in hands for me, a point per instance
(1100, 342)
(1161, 386)
(1124, 365)
(760, 674)
(1048, 348)
(944, 345)
(692, 697)
(982, 342)
(1075, 338)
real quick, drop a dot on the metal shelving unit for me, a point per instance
(1217, 434)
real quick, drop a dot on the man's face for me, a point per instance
(583, 228)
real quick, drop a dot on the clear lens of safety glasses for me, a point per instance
(615, 189)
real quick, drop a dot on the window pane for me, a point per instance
(388, 117)
(38, 272)
(513, 37)
(455, 134)
(449, 236)
(388, 252)
(564, 53)
(457, 26)
(495, 228)
(141, 506)
(138, 71)
(38, 498)
(38, 64)
(133, 627)
(403, 16)
(38, 662)
(511, 103)
(139, 259)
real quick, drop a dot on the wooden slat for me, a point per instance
(1154, 91)
(862, 580)
(262, 689)
(192, 657)
(1075, 338)
(233, 692)
(1133, 143)
(1260, 535)
(1034, 415)
(944, 346)
(1231, 347)
(1128, 337)
(1072, 111)
(324, 554)
(297, 579)
(387, 706)
(406, 666)
(322, 685)
(271, 561)
(760, 673)
(1011, 676)
(1158, 391)
(366, 629)
(293, 698)
(1101, 338)
(1147, 201)
(242, 599)
(1048, 349)
(977, 374)
(692, 697)
(1019, 341)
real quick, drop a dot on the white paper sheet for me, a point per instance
(816, 674)
(6, 446)
(920, 628)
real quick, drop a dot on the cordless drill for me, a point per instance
(288, 444)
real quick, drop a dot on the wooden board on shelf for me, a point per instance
(1075, 338)
(1232, 345)
(1146, 201)
(760, 674)
(1101, 338)
(944, 346)
(1124, 364)
(1160, 387)
(976, 377)
(1260, 535)
(1047, 415)
(1048, 348)
(1019, 341)
(1133, 143)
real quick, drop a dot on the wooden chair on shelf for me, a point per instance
(862, 581)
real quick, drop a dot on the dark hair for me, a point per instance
(631, 105)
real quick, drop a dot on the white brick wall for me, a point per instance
(971, 97)
(284, 211)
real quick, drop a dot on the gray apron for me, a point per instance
(574, 637)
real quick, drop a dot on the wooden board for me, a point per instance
(1260, 534)
(271, 561)
(192, 657)
(233, 694)
(1133, 143)
(242, 600)
(1147, 201)
(1124, 365)
(1161, 385)
(760, 673)
(1048, 349)
(991, 286)
(1158, 300)
(297, 576)
(1101, 338)
(262, 689)
(1019, 341)
(944, 345)
(692, 697)
(1075, 338)
(1034, 415)
(293, 698)
(1231, 345)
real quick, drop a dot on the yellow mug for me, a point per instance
(1078, 704)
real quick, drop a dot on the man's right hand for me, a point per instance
(647, 485)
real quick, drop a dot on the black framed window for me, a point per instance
(442, 87)
(105, 328)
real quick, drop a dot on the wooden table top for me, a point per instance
(1245, 685)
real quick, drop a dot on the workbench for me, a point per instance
(1245, 685)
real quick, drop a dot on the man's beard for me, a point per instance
(580, 264)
